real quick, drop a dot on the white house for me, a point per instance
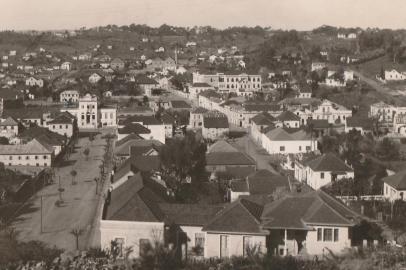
(66, 66)
(394, 75)
(33, 81)
(95, 78)
(333, 112)
(69, 96)
(8, 127)
(382, 111)
(280, 141)
(196, 88)
(322, 170)
(394, 186)
(63, 124)
(33, 153)
(214, 126)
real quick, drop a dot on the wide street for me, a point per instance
(81, 205)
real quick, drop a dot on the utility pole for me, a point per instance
(41, 215)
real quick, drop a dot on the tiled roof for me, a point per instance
(179, 104)
(239, 186)
(230, 158)
(318, 123)
(215, 122)
(301, 211)
(134, 128)
(144, 119)
(280, 134)
(45, 134)
(189, 214)
(328, 163)
(32, 147)
(142, 147)
(221, 146)
(61, 119)
(128, 138)
(133, 201)
(265, 182)
(397, 181)
(288, 116)
(142, 79)
(262, 107)
(201, 84)
(134, 146)
(9, 121)
(167, 118)
(26, 113)
(241, 216)
(365, 123)
(263, 119)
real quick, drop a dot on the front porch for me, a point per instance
(284, 242)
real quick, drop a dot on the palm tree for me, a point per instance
(73, 173)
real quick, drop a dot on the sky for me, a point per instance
(279, 14)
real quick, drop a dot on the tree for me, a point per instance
(86, 152)
(77, 232)
(73, 173)
(387, 150)
(145, 100)
(4, 141)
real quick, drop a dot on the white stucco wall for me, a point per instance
(131, 232)
(291, 147)
(315, 247)
(235, 244)
(391, 194)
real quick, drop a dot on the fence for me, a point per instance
(361, 198)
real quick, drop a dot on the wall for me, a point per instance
(132, 232)
(291, 147)
(62, 129)
(213, 133)
(315, 247)
(315, 181)
(392, 194)
(235, 244)
(42, 160)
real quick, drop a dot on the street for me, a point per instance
(80, 205)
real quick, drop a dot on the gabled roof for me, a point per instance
(128, 138)
(142, 79)
(144, 119)
(133, 201)
(47, 136)
(140, 146)
(263, 119)
(397, 181)
(281, 134)
(365, 123)
(265, 182)
(228, 158)
(221, 146)
(252, 107)
(328, 163)
(241, 216)
(189, 214)
(9, 121)
(301, 211)
(134, 128)
(32, 147)
(61, 119)
(288, 116)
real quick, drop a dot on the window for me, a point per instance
(11, 158)
(120, 246)
(247, 244)
(322, 175)
(27, 157)
(300, 148)
(60, 126)
(328, 235)
(66, 126)
(53, 126)
(224, 246)
(319, 234)
(45, 157)
(335, 235)
(144, 243)
(282, 149)
(19, 157)
(308, 148)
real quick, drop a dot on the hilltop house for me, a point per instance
(33, 81)
(394, 186)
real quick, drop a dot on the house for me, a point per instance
(287, 119)
(108, 116)
(63, 124)
(147, 84)
(333, 112)
(223, 157)
(196, 117)
(117, 64)
(288, 141)
(69, 96)
(196, 88)
(33, 81)
(66, 66)
(311, 223)
(260, 184)
(231, 81)
(135, 145)
(305, 92)
(133, 128)
(215, 126)
(8, 127)
(322, 170)
(169, 122)
(363, 125)
(382, 112)
(28, 116)
(95, 78)
(394, 75)
(45, 137)
(85, 57)
(149, 127)
(33, 153)
(259, 123)
(122, 147)
(394, 186)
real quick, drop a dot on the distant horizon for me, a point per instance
(301, 15)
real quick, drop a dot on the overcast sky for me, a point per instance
(285, 14)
